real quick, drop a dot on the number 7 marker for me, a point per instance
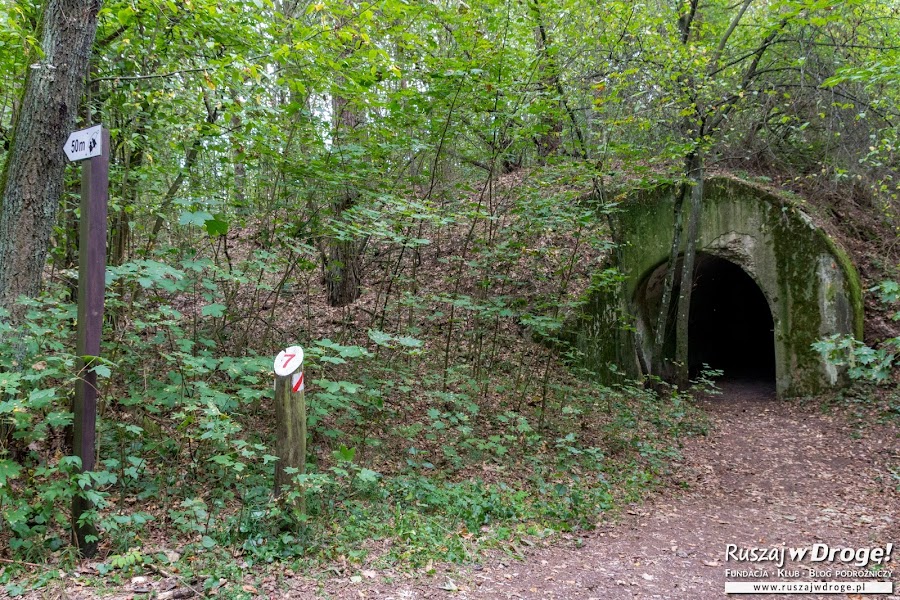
(288, 361)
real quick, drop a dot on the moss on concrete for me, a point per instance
(811, 285)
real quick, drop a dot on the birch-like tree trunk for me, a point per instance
(682, 320)
(704, 120)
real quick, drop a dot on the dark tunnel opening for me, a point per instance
(730, 326)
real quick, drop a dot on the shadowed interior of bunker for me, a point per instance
(730, 325)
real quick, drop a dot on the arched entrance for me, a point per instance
(730, 324)
(730, 327)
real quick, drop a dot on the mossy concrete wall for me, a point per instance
(809, 283)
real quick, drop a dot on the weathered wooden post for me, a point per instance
(92, 144)
(290, 417)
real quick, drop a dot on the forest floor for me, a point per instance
(769, 474)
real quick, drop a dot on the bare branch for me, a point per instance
(749, 75)
(713, 64)
(686, 20)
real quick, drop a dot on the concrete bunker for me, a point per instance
(767, 283)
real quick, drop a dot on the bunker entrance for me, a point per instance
(730, 326)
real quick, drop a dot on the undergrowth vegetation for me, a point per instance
(872, 368)
(444, 414)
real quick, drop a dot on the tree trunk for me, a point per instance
(687, 270)
(550, 136)
(703, 121)
(342, 261)
(238, 157)
(662, 321)
(33, 179)
(551, 141)
(342, 266)
(685, 23)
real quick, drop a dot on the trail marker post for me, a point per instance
(290, 417)
(92, 145)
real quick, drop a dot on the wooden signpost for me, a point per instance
(92, 145)
(290, 417)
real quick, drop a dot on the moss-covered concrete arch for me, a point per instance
(811, 287)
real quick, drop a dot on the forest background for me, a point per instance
(418, 193)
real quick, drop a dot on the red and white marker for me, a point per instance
(288, 361)
(297, 382)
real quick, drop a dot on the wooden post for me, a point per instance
(91, 291)
(290, 418)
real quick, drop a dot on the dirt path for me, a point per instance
(770, 473)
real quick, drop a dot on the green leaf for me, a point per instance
(59, 419)
(8, 470)
(223, 459)
(333, 360)
(409, 342)
(379, 337)
(41, 398)
(102, 371)
(213, 310)
(9, 382)
(368, 475)
(216, 226)
(103, 477)
(198, 218)
(345, 454)
(125, 16)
